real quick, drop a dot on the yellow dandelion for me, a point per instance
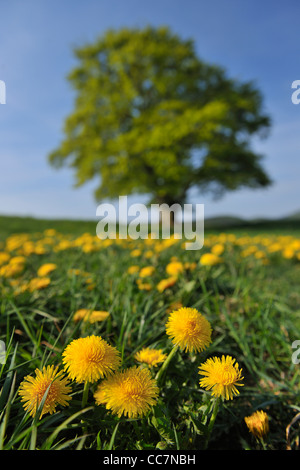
(222, 376)
(17, 260)
(218, 249)
(98, 315)
(40, 250)
(174, 268)
(210, 259)
(258, 424)
(81, 314)
(90, 316)
(130, 393)
(33, 389)
(260, 254)
(62, 245)
(274, 247)
(189, 329)
(50, 232)
(133, 269)
(136, 253)
(11, 270)
(46, 269)
(166, 283)
(288, 253)
(150, 356)
(90, 284)
(38, 283)
(89, 359)
(20, 287)
(143, 285)
(190, 266)
(4, 257)
(147, 271)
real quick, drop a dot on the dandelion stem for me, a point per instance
(263, 444)
(136, 429)
(85, 394)
(212, 419)
(165, 365)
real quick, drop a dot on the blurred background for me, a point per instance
(252, 40)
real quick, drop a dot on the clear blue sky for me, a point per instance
(253, 39)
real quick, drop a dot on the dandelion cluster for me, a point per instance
(121, 355)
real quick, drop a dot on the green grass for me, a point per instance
(254, 310)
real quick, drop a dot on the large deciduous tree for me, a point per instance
(151, 118)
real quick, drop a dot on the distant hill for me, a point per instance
(295, 216)
(224, 221)
(219, 222)
(17, 224)
(291, 222)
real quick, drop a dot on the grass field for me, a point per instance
(249, 294)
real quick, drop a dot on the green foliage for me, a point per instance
(151, 118)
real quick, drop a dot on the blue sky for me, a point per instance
(253, 40)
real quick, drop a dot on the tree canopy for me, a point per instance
(151, 118)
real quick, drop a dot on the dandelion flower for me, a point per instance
(189, 329)
(17, 260)
(150, 356)
(143, 285)
(174, 268)
(90, 316)
(131, 392)
(90, 284)
(136, 253)
(38, 283)
(258, 424)
(166, 283)
(190, 266)
(98, 315)
(218, 249)
(210, 259)
(133, 269)
(147, 271)
(50, 232)
(81, 314)
(222, 376)
(4, 257)
(11, 270)
(288, 253)
(45, 269)
(89, 359)
(32, 390)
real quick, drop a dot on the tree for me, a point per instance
(151, 118)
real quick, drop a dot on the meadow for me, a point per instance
(61, 284)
